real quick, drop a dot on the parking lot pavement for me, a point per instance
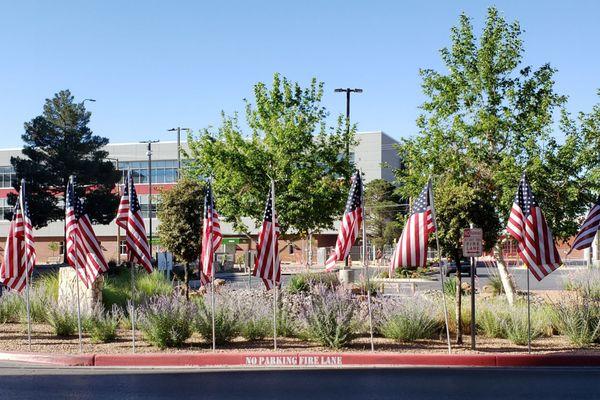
(364, 383)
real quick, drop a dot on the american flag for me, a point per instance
(129, 217)
(411, 250)
(83, 248)
(351, 223)
(267, 247)
(19, 252)
(528, 227)
(211, 236)
(588, 229)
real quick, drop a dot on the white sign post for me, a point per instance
(473, 247)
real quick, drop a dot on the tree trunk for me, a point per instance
(459, 331)
(507, 283)
(186, 278)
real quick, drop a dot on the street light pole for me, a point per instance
(178, 130)
(149, 154)
(348, 91)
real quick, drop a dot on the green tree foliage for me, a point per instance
(181, 213)
(59, 143)
(382, 208)
(484, 123)
(289, 141)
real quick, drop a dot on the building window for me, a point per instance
(123, 247)
(145, 206)
(7, 175)
(61, 247)
(5, 209)
(163, 171)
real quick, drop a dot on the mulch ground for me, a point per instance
(13, 338)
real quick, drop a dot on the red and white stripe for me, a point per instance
(589, 229)
(536, 242)
(267, 264)
(83, 248)
(19, 252)
(411, 250)
(351, 224)
(211, 238)
(129, 217)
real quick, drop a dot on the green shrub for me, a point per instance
(586, 283)
(408, 321)
(166, 321)
(256, 328)
(450, 287)
(117, 287)
(578, 319)
(62, 319)
(154, 284)
(39, 301)
(287, 325)
(102, 326)
(301, 283)
(47, 283)
(516, 326)
(328, 316)
(256, 317)
(227, 323)
(11, 305)
(491, 321)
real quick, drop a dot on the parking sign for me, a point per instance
(472, 242)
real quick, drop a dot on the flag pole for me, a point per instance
(132, 266)
(437, 242)
(28, 309)
(22, 204)
(212, 282)
(274, 257)
(77, 272)
(132, 305)
(365, 259)
(528, 314)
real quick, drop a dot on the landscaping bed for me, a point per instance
(13, 338)
(315, 313)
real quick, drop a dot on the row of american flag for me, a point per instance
(526, 224)
(84, 253)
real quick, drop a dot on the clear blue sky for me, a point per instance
(152, 65)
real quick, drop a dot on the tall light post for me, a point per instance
(178, 130)
(348, 91)
(149, 154)
(84, 100)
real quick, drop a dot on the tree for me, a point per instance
(483, 124)
(59, 143)
(289, 142)
(181, 214)
(382, 206)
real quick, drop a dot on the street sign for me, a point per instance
(472, 242)
(234, 240)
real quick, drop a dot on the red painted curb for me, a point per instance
(84, 360)
(283, 359)
(547, 360)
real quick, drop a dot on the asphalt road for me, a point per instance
(555, 281)
(388, 383)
